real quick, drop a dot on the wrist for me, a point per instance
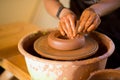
(95, 10)
(59, 11)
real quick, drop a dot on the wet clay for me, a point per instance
(57, 41)
(79, 48)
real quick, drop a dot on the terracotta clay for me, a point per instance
(107, 74)
(82, 47)
(57, 41)
(41, 68)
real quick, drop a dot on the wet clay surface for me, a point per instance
(45, 50)
(102, 49)
(60, 42)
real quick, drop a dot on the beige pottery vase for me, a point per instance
(47, 69)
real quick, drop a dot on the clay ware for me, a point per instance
(54, 47)
(57, 41)
(107, 74)
(41, 68)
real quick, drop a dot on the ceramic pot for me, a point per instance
(57, 41)
(41, 68)
(107, 74)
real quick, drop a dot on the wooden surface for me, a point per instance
(10, 58)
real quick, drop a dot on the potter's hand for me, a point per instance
(67, 23)
(89, 21)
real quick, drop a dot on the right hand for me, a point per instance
(67, 23)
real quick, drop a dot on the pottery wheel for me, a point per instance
(41, 47)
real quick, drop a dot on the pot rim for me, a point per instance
(103, 71)
(106, 70)
(87, 61)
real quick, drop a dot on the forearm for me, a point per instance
(104, 7)
(52, 6)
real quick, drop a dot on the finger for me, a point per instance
(77, 26)
(89, 22)
(94, 25)
(80, 27)
(81, 17)
(82, 23)
(68, 27)
(72, 23)
(64, 27)
(61, 29)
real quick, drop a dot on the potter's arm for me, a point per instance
(104, 7)
(52, 6)
(90, 19)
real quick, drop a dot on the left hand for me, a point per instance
(89, 21)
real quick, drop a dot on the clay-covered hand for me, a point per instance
(67, 23)
(89, 21)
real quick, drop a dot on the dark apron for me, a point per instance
(110, 25)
